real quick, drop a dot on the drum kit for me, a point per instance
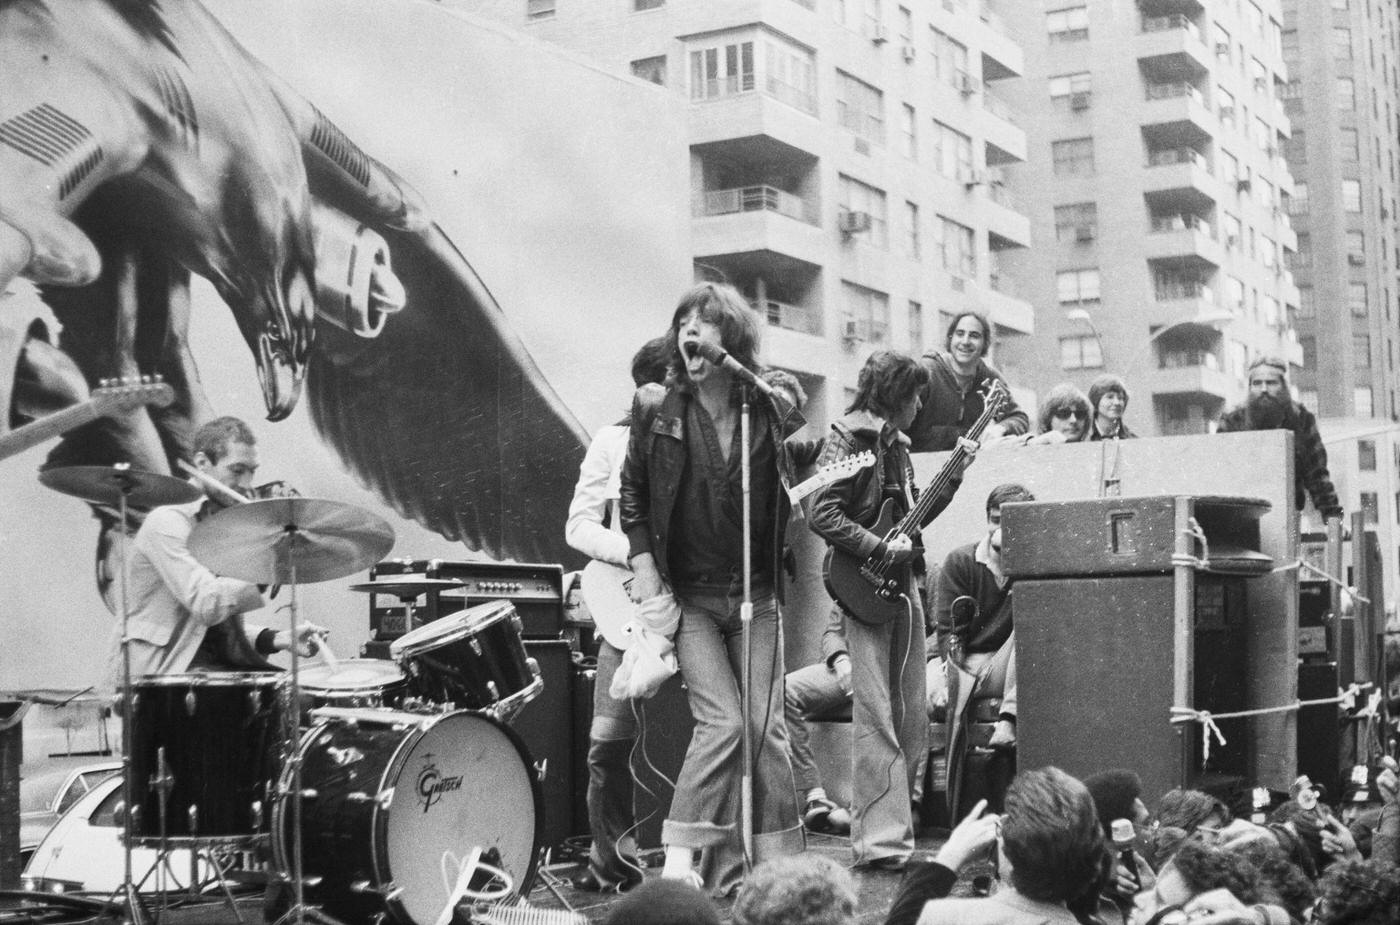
(377, 788)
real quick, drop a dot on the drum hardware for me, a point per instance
(408, 589)
(124, 487)
(287, 541)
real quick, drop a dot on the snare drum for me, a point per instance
(474, 659)
(210, 739)
(351, 683)
(398, 802)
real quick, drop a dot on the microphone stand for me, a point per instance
(746, 625)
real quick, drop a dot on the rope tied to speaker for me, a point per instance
(1207, 719)
(1194, 531)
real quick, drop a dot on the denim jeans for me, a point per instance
(611, 815)
(705, 812)
(889, 734)
(813, 689)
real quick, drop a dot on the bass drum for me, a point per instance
(397, 803)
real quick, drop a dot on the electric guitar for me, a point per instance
(113, 396)
(872, 589)
(605, 585)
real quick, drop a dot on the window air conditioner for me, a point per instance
(878, 35)
(910, 53)
(1356, 259)
(854, 222)
(852, 331)
(1080, 101)
(967, 84)
(1084, 233)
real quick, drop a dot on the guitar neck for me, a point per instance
(47, 427)
(912, 522)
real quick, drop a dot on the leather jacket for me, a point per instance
(843, 512)
(656, 458)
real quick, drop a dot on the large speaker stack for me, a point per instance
(1125, 608)
(1319, 731)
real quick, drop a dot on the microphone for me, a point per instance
(718, 356)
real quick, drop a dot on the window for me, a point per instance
(952, 152)
(1361, 348)
(911, 230)
(860, 197)
(1222, 42)
(792, 76)
(539, 9)
(1295, 149)
(1081, 352)
(1308, 343)
(1307, 305)
(1356, 299)
(1364, 401)
(640, 5)
(1351, 195)
(954, 62)
(869, 309)
(1339, 4)
(1346, 94)
(1077, 221)
(860, 108)
(1341, 43)
(959, 248)
(1073, 157)
(1366, 455)
(909, 132)
(1068, 25)
(916, 327)
(1356, 248)
(1350, 145)
(1255, 18)
(726, 70)
(652, 69)
(1370, 507)
(1170, 285)
(1068, 84)
(906, 26)
(1074, 286)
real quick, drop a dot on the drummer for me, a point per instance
(183, 617)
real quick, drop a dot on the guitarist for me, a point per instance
(890, 728)
(593, 528)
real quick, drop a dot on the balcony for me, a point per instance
(1190, 374)
(1176, 115)
(1170, 48)
(1011, 227)
(755, 199)
(1002, 57)
(778, 111)
(1178, 181)
(791, 317)
(1183, 238)
(1005, 140)
(1004, 307)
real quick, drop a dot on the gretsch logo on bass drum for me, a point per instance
(432, 784)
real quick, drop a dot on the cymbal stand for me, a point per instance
(300, 912)
(132, 904)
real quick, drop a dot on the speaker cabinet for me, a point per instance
(666, 725)
(546, 724)
(1319, 734)
(1095, 669)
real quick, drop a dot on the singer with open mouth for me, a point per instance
(681, 508)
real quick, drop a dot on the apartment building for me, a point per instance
(1159, 200)
(1343, 101)
(847, 160)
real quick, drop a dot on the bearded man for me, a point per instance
(1271, 407)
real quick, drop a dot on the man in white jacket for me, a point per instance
(593, 529)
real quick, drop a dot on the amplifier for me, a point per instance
(535, 589)
(1134, 535)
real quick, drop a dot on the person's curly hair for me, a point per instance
(1203, 868)
(800, 889)
(1359, 893)
(1290, 885)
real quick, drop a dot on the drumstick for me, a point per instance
(209, 482)
(326, 653)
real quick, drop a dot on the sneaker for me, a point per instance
(588, 882)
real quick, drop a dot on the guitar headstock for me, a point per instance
(113, 396)
(994, 395)
(848, 465)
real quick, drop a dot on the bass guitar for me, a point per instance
(113, 396)
(872, 589)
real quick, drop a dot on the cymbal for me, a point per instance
(107, 484)
(278, 540)
(406, 587)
